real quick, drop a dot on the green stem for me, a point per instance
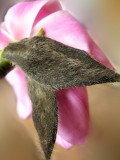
(5, 65)
(3, 61)
(1, 52)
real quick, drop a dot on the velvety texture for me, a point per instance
(59, 25)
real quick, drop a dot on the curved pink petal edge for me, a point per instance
(73, 115)
(62, 142)
(73, 109)
(17, 79)
(31, 13)
(4, 40)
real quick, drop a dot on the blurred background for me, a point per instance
(18, 138)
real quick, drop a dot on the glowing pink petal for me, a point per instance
(62, 142)
(4, 40)
(20, 18)
(17, 79)
(64, 28)
(3, 27)
(73, 115)
(48, 8)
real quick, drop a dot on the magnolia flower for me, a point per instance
(25, 20)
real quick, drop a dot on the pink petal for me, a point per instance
(3, 27)
(64, 28)
(62, 142)
(48, 8)
(73, 116)
(20, 18)
(4, 40)
(17, 79)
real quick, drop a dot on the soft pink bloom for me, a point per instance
(25, 20)
(4, 6)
